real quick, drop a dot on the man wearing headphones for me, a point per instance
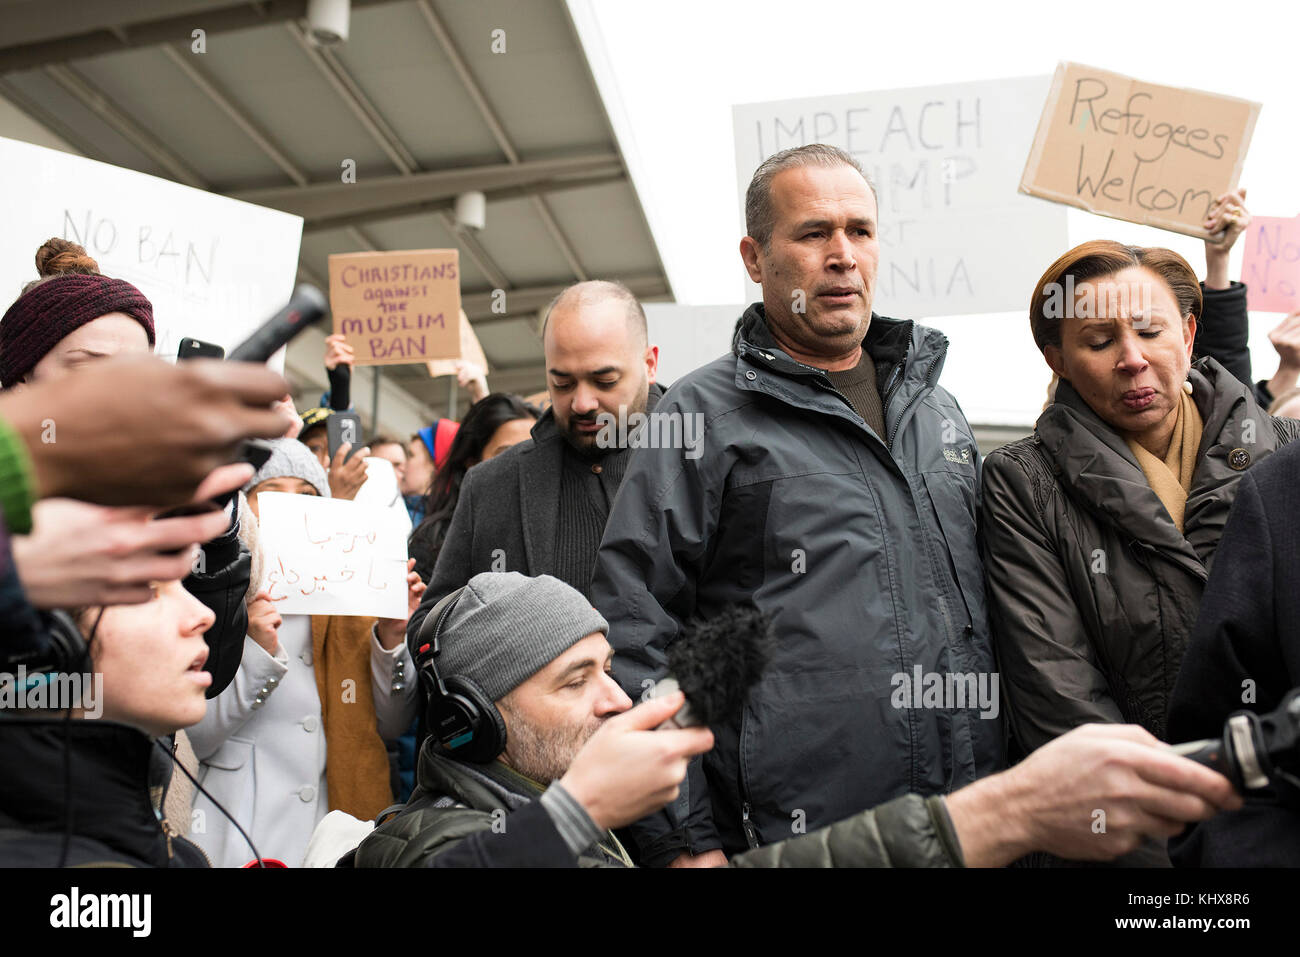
(535, 754)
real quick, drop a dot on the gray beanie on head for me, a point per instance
(292, 459)
(506, 627)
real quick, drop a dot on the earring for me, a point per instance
(1187, 386)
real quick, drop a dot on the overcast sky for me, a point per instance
(680, 65)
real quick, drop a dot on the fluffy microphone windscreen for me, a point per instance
(716, 661)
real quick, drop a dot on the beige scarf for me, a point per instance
(1171, 478)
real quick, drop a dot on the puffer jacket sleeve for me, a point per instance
(1224, 330)
(1050, 675)
(909, 831)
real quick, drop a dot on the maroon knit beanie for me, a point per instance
(60, 305)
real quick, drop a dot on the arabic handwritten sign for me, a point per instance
(331, 557)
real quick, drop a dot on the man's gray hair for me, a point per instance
(760, 218)
(598, 290)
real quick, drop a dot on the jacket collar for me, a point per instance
(539, 485)
(109, 787)
(1100, 471)
(908, 360)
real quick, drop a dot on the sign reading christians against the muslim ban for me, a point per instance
(397, 307)
(214, 268)
(1156, 155)
(1271, 267)
(945, 161)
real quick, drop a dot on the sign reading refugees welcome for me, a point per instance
(945, 161)
(1150, 154)
(397, 307)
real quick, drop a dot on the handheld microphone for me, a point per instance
(1256, 750)
(306, 307)
(715, 662)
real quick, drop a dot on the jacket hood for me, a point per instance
(1101, 472)
(474, 785)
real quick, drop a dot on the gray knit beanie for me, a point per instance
(506, 627)
(292, 459)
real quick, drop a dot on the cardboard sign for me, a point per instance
(1156, 155)
(470, 351)
(327, 556)
(945, 161)
(1271, 267)
(214, 268)
(397, 307)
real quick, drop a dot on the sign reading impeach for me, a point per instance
(397, 307)
(1156, 155)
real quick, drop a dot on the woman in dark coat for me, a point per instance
(1099, 529)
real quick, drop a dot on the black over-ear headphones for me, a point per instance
(57, 647)
(460, 715)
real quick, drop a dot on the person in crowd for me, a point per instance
(346, 474)
(72, 316)
(576, 760)
(426, 452)
(392, 450)
(1100, 528)
(89, 756)
(492, 425)
(1244, 655)
(1223, 332)
(283, 745)
(833, 483)
(540, 507)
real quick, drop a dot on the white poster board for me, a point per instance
(214, 268)
(946, 162)
(327, 556)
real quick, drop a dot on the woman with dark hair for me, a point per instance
(1099, 529)
(492, 425)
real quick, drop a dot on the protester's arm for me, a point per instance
(1051, 679)
(1092, 794)
(183, 421)
(1285, 338)
(1223, 332)
(339, 358)
(656, 538)
(392, 671)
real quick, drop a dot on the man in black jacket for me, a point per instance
(835, 487)
(540, 507)
(1245, 654)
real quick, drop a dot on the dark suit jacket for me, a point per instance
(506, 517)
(1247, 633)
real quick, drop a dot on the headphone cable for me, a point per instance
(215, 803)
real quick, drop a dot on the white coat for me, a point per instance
(261, 746)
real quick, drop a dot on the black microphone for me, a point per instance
(715, 662)
(307, 306)
(1256, 750)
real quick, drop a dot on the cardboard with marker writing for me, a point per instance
(1270, 267)
(1142, 152)
(397, 307)
(470, 350)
